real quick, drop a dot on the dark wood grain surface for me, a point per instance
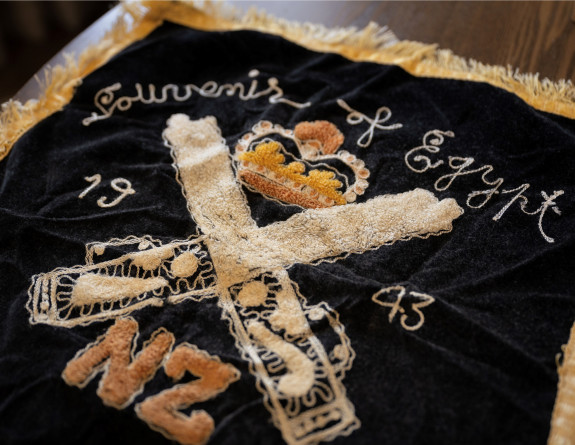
(31, 32)
(533, 36)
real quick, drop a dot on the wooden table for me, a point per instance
(537, 36)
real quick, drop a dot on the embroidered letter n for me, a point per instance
(113, 353)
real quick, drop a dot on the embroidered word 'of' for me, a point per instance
(396, 306)
(121, 185)
(419, 163)
(355, 117)
(107, 103)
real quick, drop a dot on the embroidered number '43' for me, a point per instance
(424, 300)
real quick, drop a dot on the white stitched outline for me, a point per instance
(459, 164)
(355, 117)
(96, 179)
(460, 171)
(121, 185)
(396, 306)
(431, 146)
(105, 101)
(240, 254)
(548, 202)
(53, 300)
(263, 130)
(522, 188)
(124, 191)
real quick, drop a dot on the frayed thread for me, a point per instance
(563, 418)
(60, 82)
(373, 43)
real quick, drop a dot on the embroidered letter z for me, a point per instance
(113, 353)
(162, 411)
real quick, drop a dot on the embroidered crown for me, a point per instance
(263, 165)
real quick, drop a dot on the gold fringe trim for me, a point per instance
(563, 418)
(60, 82)
(372, 44)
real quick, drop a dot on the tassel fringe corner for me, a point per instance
(59, 82)
(563, 416)
(373, 43)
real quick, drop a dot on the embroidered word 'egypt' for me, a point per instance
(107, 103)
(420, 163)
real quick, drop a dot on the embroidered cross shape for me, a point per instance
(245, 267)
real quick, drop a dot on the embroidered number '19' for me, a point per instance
(121, 185)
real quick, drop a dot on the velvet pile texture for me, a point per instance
(481, 368)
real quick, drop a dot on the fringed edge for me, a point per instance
(563, 418)
(373, 43)
(545, 95)
(378, 44)
(60, 81)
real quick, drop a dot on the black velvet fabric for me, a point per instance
(481, 369)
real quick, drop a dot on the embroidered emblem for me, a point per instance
(272, 323)
(355, 118)
(422, 300)
(121, 185)
(262, 165)
(138, 272)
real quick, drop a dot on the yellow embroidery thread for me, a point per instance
(269, 321)
(373, 43)
(315, 142)
(267, 155)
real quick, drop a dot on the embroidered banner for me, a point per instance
(226, 237)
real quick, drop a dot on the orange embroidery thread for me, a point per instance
(267, 161)
(270, 188)
(124, 375)
(326, 133)
(316, 142)
(162, 411)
